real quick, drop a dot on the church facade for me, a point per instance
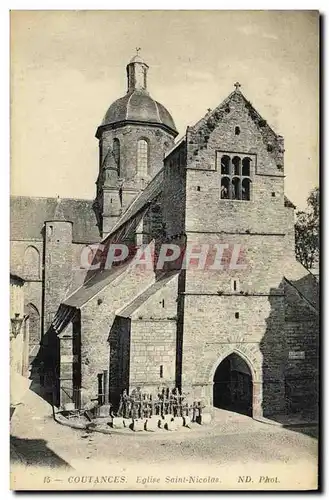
(242, 337)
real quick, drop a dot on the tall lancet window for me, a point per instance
(116, 154)
(142, 157)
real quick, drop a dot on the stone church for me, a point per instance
(243, 337)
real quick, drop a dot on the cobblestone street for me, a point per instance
(232, 439)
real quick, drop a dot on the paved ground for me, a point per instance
(234, 439)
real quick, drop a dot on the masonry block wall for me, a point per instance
(97, 320)
(174, 193)
(159, 141)
(119, 181)
(58, 267)
(301, 371)
(26, 259)
(219, 319)
(153, 340)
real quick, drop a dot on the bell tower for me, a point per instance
(134, 137)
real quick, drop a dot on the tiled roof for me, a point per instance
(28, 215)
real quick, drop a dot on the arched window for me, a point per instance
(34, 324)
(237, 130)
(235, 177)
(225, 188)
(236, 188)
(116, 154)
(246, 166)
(236, 165)
(225, 165)
(246, 189)
(142, 157)
(31, 263)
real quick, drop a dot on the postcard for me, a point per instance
(164, 273)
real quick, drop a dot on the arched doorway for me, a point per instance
(233, 387)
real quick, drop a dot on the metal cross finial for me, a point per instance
(138, 49)
(237, 85)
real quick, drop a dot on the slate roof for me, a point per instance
(143, 297)
(28, 215)
(138, 106)
(95, 284)
(288, 203)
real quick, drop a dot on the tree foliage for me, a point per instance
(307, 228)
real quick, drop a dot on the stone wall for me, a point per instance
(174, 192)
(58, 267)
(117, 189)
(220, 316)
(26, 258)
(301, 371)
(153, 338)
(159, 141)
(97, 319)
(152, 354)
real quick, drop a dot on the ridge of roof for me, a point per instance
(95, 285)
(28, 216)
(226, 101)
(49, 198)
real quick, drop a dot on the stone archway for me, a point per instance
(233, 385)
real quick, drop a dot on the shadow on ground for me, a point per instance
(36, 453)
(303, 422)
(311, 431)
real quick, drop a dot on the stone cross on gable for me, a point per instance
(237, 86)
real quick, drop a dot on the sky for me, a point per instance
(67, 67)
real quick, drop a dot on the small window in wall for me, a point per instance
(116, 154)
(237, 315)
(142, 157)
(163, 303)
(235, 285)
(237, 130)
(161, 371)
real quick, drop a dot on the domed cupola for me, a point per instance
(134, 136)
(137, 106)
